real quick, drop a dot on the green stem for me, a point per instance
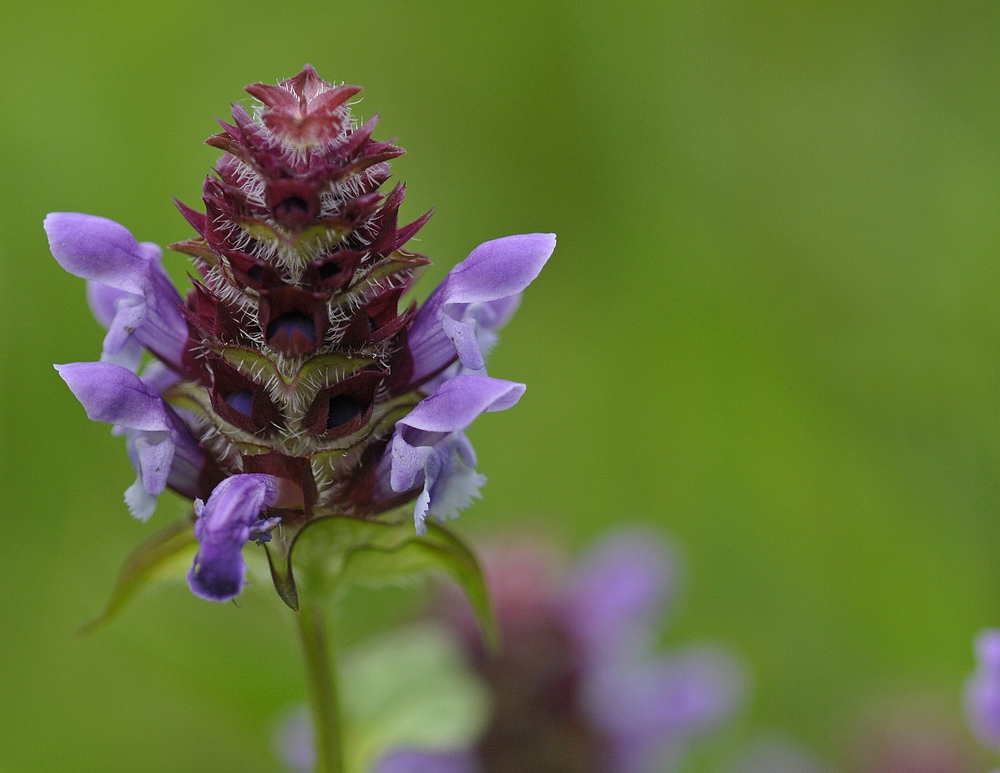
(322, 684)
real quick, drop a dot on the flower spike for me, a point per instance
(290, 385)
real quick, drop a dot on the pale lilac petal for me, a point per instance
(141, 504)
(151, 454)
(462, 335)
(428, 448)
(493, 315)
(418, 761)
(456, 483)
(618, 590)
(484, 319)
(103, 302)
(223, 527)
(158, 376)
(115, 395)
(487, 319)
(982, 691)
(473, 330)
(449, 478)
(155, 456)
(480, 293)
(104, 252)
(407, 463)
(129, 314)
(125, 351)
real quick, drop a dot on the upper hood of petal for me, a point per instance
(135, 295)
(115, 395)
(96, 248)
(459, 401)
(495, 273)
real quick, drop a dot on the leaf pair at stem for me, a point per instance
(329, 553)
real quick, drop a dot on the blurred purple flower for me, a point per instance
(574, 687)
(292, 347)
(982, 691)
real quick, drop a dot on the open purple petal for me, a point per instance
(130, 313)
(158, 376)
(103, 302)
(120, 346)
(408, 463)
(982, 691)
(102, 251)
(154, 461)
(187, 465)
(141, 504)
(457, 404)
(428, 448)
(223, 527)
(161, 449)
(96, 248)
(115, 395)
(456, 483)
(479, 294)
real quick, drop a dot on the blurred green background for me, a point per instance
(770, 329)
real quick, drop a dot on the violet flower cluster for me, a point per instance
(289, 386)
(574, 689)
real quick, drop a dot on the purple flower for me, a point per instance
(477, 297)
(574, 688)
(429, 448)
(128, 289)
(982, 691)
(289, 385)
(229, 520)
(160, 447)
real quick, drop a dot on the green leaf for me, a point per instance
(329, 552)
(279, 561)
(410, 688)
(168, 554)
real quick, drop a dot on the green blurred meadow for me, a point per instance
(770, 329)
